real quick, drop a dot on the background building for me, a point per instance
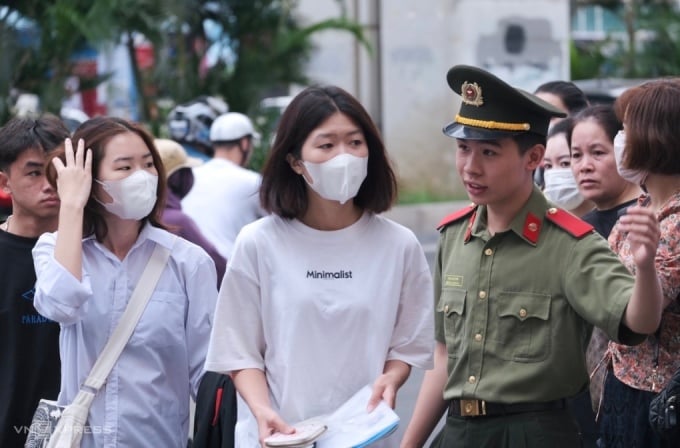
(402, 81)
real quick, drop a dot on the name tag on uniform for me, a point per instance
(454, 280)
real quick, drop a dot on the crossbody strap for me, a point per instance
(140, 297)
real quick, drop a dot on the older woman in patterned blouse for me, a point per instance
(651, 157)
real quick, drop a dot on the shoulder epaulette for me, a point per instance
(455, 216)
(565, 220)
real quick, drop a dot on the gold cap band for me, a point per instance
(498, 125)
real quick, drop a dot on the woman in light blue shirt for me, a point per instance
(111, 200)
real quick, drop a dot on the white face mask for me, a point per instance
(635, 176)
(339, 178)
(133, 197)
(561, 188)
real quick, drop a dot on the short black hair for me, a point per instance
(602, 114)
(21, 134)
(571, 95)
(527, 140)
(561, 127)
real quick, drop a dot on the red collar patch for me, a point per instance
(565, 220)
(457, 215)
(532, 228)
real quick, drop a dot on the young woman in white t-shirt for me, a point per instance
(325, 295)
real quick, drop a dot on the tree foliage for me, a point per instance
(267, 44)
(38, 40)
(651, 47)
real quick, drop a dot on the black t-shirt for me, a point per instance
(29, 343)
(604, 220)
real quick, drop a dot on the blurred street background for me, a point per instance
(81, 58)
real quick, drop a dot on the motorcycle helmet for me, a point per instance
(189, 123)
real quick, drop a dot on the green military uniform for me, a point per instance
(516, 309)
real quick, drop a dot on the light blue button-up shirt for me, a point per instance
(145, 400)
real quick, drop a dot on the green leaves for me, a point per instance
(266, 45)
(651, 47)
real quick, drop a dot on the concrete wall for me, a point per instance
(339, 59)
(402, 83)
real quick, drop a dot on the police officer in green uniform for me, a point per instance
(519, 285)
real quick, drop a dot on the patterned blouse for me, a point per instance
(635, 366)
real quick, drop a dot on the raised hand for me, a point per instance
(642, 227)
(74, 178)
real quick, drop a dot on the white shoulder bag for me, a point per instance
(55, 426)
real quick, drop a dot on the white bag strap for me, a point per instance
(140, 297)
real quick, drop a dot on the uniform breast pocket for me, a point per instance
(162, 323)
(523, 326)
(452, 304)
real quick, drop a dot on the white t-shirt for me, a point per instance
(320, 312)
(224, 198)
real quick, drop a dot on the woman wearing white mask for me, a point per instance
(560, 183)
(566, 96)
(650, 155)
(324, 295)
(109, 224)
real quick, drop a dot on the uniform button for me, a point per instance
(522, 313)
(446, 308)
(533, 226)
(478, 337)
(482, 294)
(472, 379)
(488, 252)
(552, 210)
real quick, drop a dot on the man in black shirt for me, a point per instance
(29, 343)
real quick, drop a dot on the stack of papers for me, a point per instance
(305, 434)
(350, 426)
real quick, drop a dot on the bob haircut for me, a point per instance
(96, 133)
(284, 192)
(621, 103)
(573, 98)
(651, 117)
(603, 115)
(527, 140)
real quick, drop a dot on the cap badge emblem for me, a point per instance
(472, 94)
